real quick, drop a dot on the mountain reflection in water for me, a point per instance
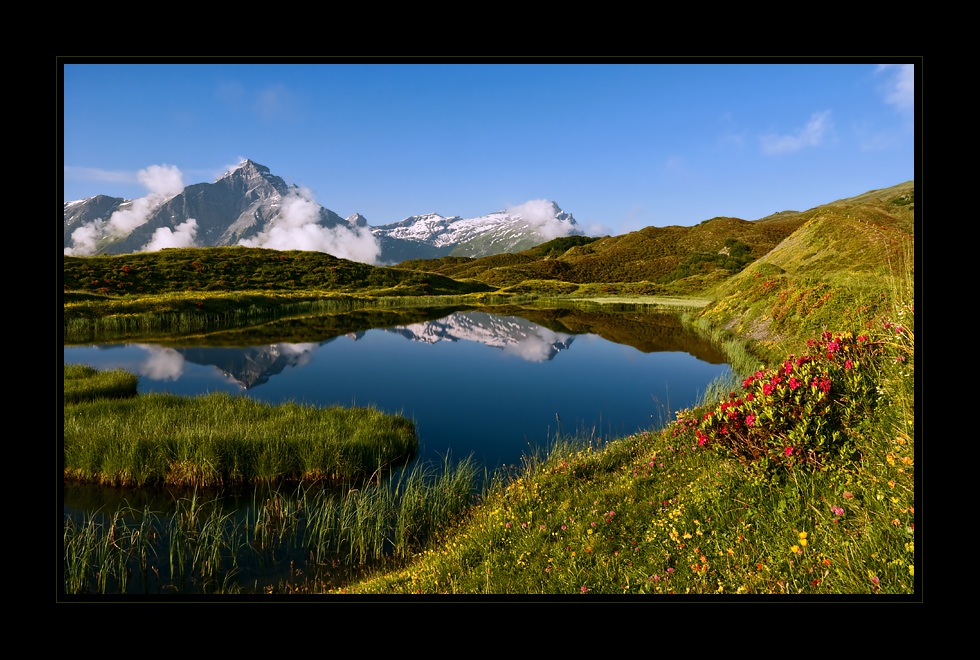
(486, 383)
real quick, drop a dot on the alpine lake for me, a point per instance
(490, 383)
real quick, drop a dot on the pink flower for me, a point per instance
(788, 451)
(750, 420)
(848, 364)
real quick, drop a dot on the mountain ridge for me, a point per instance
(249, 205)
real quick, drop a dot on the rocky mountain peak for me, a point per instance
(247, 168)
(357, 220)
(253, 175)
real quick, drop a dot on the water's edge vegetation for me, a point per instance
(797, 479)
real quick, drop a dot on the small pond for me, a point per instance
(494, 385)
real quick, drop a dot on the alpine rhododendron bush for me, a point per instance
(809, 411)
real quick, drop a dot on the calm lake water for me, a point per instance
(493, 385)
(488, 384)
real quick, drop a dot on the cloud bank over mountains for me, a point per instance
(297, 228)
(162, 182)
(541, 215)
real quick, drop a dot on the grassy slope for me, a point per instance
(657, 514)
(841, 267)
(647, 255)
(221, 279)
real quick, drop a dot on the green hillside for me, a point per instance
(243, 269)
(715, 248)
(841, 266)
(194, 287)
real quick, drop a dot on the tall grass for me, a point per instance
(82, 382)
(204, 547)
(223, 440)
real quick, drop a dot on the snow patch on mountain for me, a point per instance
(515, 228)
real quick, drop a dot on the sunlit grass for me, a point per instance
(82, 382)
(221, 440)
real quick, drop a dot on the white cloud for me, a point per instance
(816, 131)
(85, 239)
(164, 237)
(541, 214)
(899, 88)
(161, 179)
(162, 182)
(297, 228)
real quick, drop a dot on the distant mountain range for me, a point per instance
(251, 206)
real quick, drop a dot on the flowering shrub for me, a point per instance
(800, 413)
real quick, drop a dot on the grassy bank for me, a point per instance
(220, 440)
(83, 383)
(665, 513)
(179, 291)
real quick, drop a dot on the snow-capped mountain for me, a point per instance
(250, 206)
(513, 230)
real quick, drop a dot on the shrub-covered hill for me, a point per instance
(686, 259)
(221, 269)
(838, 268)
(653, 254)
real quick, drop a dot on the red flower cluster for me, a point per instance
(786, 416)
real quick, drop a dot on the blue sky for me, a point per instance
(620, 146)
